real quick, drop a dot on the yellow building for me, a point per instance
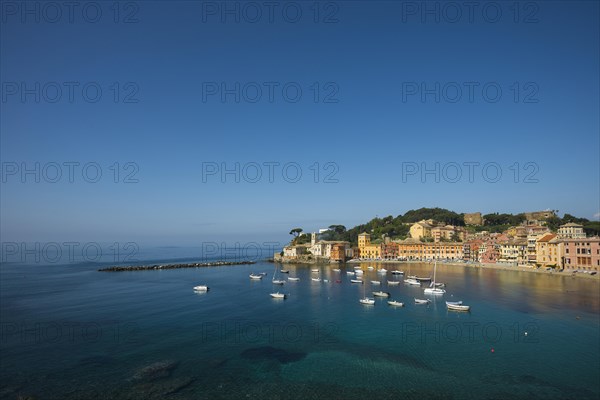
(549, 251)
(420, 229)
(413, 249)
(366, 249)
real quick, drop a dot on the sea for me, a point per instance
(69, 331)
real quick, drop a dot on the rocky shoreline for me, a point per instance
(173, 266)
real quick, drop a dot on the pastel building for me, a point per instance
(367, 249)
(571, 231)
(582, 253)
(549, 251)
(514, 251)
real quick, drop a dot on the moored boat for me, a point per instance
(201, 288)
(381, 294)
(336, 269)
(411, 281)
(434, 290)
(393, 283)
(375, 282)
(278, 295)
(316, 279)
(395, 303)
(256, 277)
(278, 282)
(356, 280)
(457, 307)
(285, 271)
(293, 279)
(367, 301)
(421, 301)
(396, 272)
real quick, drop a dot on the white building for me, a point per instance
(571, 231)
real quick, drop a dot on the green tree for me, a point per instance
(296, 232)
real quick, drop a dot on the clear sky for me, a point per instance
(367, 72)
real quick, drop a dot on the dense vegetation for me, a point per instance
(398, 227)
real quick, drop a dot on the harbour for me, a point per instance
(236, 341)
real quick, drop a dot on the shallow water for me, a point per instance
(72, 332)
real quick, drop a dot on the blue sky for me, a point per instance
(365, 62)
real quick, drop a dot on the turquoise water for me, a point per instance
(71, 332)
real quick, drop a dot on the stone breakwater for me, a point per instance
(173, 266)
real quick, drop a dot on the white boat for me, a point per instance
(457, 307)
(278, 295)
(454, 303)
(382, 271)
(395, 303)
(253, 276)
(359, 272)
(315, 270)
(293, 279)
(376, 282)
(316, 279)
(439, 284)
(432, 289)
(370, 268)
(350, 272)
(356, 280)
(423, 279)
(396, 272)
(285, 271)
(263, 274)
(337, 269)
(411, 281)
(381, 294)
(277, 281)
(393, 283)
(357, 267)
(420, 301)
(365, 300)
(201, 288)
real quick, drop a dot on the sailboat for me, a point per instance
(277, 281)
(366, 300)
(432, 289)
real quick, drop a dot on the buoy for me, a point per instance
(525, 333)
(492, 350)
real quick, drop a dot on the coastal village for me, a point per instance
(531, 244)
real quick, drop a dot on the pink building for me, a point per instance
(583, 253)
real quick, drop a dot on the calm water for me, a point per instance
(71, 332)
